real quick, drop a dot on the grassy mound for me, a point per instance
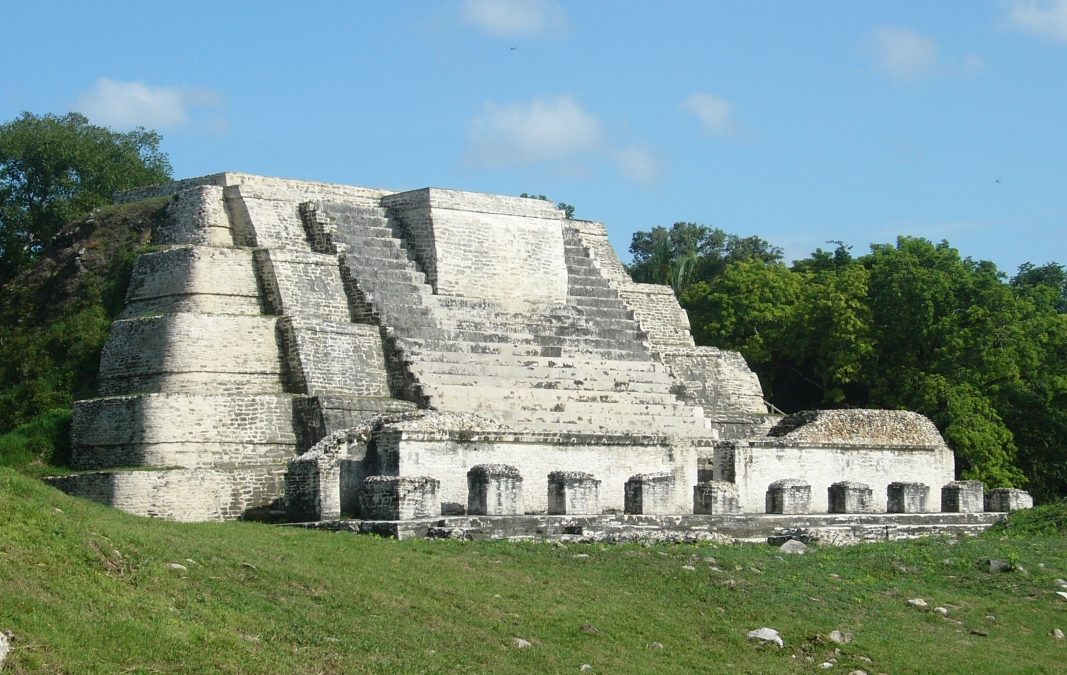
(54, 319)
(89, 589)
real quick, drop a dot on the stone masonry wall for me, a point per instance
(190, 495)
(757, 464)
(608, 459)
(193, 279)
(186, 352)
(196, 215)
(485, 246)
(182, 430)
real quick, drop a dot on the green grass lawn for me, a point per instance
(85, 588)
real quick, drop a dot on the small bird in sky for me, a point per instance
(998, 180)
(512, 48)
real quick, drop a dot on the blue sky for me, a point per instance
(799, 122)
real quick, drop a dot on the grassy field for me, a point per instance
(84, 588)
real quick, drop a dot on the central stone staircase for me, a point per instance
(580, 367)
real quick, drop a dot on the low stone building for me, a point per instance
(302, 347)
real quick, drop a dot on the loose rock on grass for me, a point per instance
(766, 635)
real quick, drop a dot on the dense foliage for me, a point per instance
(910, 325)
(54, 170)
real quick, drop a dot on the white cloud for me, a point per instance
(125, 105)
(639, 164)
(515, 18)
(543, 130)
(716, 114)
(1044, 18)
(903, 53)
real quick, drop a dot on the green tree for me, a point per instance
(56, 169)
(688, 253)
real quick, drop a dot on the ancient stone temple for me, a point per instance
(330, 351)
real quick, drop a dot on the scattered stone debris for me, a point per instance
(656, 645)
(1057, 633)
(941, 610)
(918, 602)
(992, 565)
(841, 638)
(177, 567)
(979, 632)
(689, 568)
(826, 665)
(589, 628)
(585, 668)
(858, 672)
(581, 555)
(519, 643)
(1062, 594)
(793, 546)
(6, 639)
(991, 617)
(766, 635)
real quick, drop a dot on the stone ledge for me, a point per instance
(679, 528)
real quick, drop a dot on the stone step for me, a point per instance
(542, 325)
(598, 292)
(355, 233)
(507, 393)
(422, 347)
(349, 210)
(562, 366)
(600, 423)
(612, 302)
(587, 339)
(587, 378)
(378, 276)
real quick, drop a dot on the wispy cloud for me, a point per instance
(1044, 18)
(904, 54)
(125, 105)
(516, 18)
(557, 134)
(639, 164)
(716, 115)
(543, 130)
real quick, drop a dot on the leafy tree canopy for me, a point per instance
(56, 169)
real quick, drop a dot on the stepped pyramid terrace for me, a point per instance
(322, 351)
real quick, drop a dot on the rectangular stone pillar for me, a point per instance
(907, 497)
(648, 494)
(573, 492)
(494, 490)
(1008, 499)
(789, 496)
(849, 497)
(963, 496)
(715, 497)
(399, 498)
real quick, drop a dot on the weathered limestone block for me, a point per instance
(194, 279)
(189, 495)
(1008, 499)
(573, 492)
(494, 490)
(963, 496)
(789, 496)
(849, 497)
(649, 493)
(196, 215)
(485, 246)
(907, 497)
(399, 498)
(715, 497)
(192, 353)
